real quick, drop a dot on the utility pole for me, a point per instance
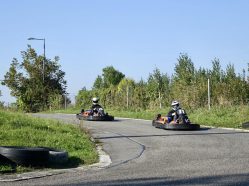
(159, 96)
(127, 96)
(209, 107)
(65, 99)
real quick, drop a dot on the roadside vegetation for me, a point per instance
(187, 84)
(18, 129)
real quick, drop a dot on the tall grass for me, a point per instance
(231, 117)
(23, 130)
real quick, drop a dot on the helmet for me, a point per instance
(95, 100)
(175, 105)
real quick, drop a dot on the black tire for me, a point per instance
(245, 125)
(27, 156)
(182, 127)
(153, 123)
(7, 162)
(56, 156)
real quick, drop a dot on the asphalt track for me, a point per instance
(142, 155)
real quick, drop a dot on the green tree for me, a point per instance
(125, 92)
(140, 98)
(217, 84)
(98, 83)
(157, 88)
(184, 69)
(217, 73)
(84, 98)
(25, 80)
(111, 76)
(183, 82)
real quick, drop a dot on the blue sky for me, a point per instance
(134, 36)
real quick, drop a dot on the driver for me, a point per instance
(172, 116)
(175, 112)
(96, 108)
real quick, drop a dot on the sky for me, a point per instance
(133, 36)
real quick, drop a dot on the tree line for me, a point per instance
(38, 90)
(186, 84)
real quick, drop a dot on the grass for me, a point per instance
(22, 130)
(229, 117)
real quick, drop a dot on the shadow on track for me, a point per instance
(223, 180)
(175, 134)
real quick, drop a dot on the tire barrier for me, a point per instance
(245, 125)
(7, 162)
(33, 156)
(57, 156)
(25, 155)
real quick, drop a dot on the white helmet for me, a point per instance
(95, 100)
(175, 105)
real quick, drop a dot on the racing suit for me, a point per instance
(97, 109)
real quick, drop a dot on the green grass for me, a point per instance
(22, 130)
(229, 117)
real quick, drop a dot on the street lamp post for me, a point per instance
(44, 55)
(43, 65)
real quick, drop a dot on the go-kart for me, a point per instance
(94, 115)
(181, 123)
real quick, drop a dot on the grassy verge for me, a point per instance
(230, 117)
(22, 130)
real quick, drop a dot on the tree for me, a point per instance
(25, 80)
(125, 90)
(183, 86)
(184, 70)
(98, 83)
(111, 76)
(84, 98)
(140, 98)
(157, 87)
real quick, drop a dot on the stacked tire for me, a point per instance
(32, 156)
